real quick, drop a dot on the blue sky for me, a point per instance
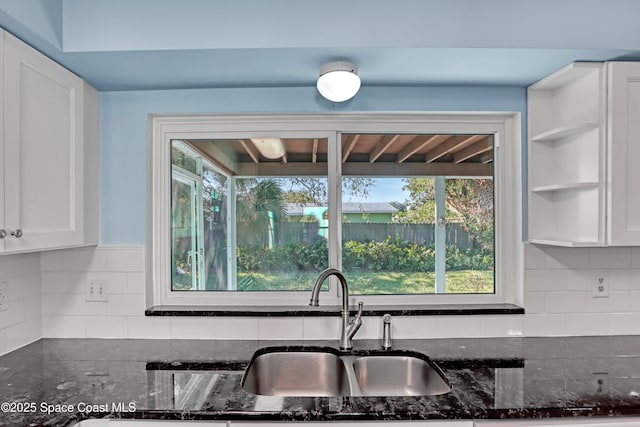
(384, 190)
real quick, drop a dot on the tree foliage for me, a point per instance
(469, 201)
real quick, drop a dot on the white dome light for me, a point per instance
(271, 148)
(338, 81)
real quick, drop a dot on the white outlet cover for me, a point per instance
(96, 290)
(600, 284)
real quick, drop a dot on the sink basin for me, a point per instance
(324, 371)
(296, 373)
(399, 375)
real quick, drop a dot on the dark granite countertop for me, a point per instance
(187, 379)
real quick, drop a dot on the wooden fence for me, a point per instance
(302, 232)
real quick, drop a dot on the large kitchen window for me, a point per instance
(411, 213)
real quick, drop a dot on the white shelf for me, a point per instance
(564, 187)
(564, 243)
(573, 71)
(564, 132)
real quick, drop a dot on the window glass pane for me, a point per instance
(198, 217)
(282, 231)
(214, 224)
(248, 214)
(387, 245)
(418, 218)
(470, 236)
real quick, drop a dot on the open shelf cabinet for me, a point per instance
(566, 152)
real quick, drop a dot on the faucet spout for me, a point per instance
(348, 328)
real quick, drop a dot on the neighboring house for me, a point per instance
(351, 212)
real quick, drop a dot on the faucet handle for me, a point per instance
(360, 306)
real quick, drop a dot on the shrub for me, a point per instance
(387, 255)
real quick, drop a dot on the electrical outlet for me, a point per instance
(4, 296)
(600, 284)
(96, 290)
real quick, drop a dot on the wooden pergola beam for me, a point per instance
(444, 148)
(382, 146)
(473, 150)
(348, 146)
(314, 151)
(251, 150)
(418, 143)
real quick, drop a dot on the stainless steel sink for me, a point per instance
(314, 371)
(398, 375)
(296, 373)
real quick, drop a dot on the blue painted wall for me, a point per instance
(124, 120)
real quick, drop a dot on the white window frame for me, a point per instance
(504, 126)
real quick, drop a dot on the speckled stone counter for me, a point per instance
(184, 379)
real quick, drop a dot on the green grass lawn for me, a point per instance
(464, 281)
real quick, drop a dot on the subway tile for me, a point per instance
(567, 302)
(579, 280)
(408, 327)
(53, 305)
(126, 305)
(126, 259)
(13, 315)
(62, 283)
(458, 327)
(635, 257)
(545, 280)
(609, 258)
(75, 305)
(83, 260)
(276, 328)
(3, 342)
(116, 282)
(618, 301)
(371, 328)
(106, 327)
(22, 334)
(588, 324)
(534, 302)
(192, 328)
(135, 283)
(31, 263)
(534, 257)
(634, 301)
(33, 307)
(149, 327)
(567, 258)
(623, 280)
(51, 261)
(624, 323)
(502, 326)
(321, 328)
(10, 266)
(542, 325)
(236, 328)
(25, 286)
(64, 327)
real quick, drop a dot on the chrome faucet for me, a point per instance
(348, 328)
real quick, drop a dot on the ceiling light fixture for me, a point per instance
(338, 81)
(271, 148)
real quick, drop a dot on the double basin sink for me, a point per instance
(325, 371)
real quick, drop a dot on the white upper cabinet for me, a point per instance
(623, 206)
(581, 132)
(50, 120)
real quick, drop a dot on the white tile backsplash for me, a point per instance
(557, 292)
(21, 323)
(192, 328)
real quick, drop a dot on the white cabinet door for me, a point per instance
(624, 154)
(3, 231)
(43, 119)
